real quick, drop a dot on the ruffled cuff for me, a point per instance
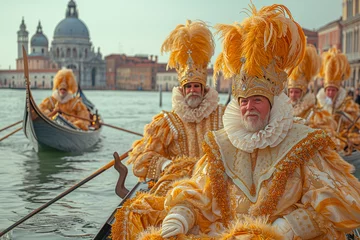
(303, 224)
(155, 167)
(186, 215)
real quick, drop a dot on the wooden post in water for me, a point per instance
(160, 92)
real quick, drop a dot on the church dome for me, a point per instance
(39, 39)
(71, 26)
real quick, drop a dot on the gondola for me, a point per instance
(58, 134)
(105, 231)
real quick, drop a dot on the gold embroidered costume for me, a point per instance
(174, 138)
(281, 181)
(69, 104)
(335, 69)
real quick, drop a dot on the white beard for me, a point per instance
(254, 126)
(193, 100)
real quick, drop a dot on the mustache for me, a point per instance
(252, 113)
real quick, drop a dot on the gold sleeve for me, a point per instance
(153, 149)
(81, 111)
(330, 203)
(46, 106)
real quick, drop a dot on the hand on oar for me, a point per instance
(96, 173)
(101, 123)
(13, 132)
(11, 125)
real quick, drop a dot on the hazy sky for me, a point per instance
(140, 26)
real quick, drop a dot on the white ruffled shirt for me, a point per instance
(281, 120)
(188, 114)
(68, 97)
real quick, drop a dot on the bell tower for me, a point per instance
(22, 39)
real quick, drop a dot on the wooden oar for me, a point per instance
(11, 125)
(11, 134)
(96, 173)
(105, 124)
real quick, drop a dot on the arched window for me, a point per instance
(68, 52)
(86, 53)
(57, 53)
(74, 53)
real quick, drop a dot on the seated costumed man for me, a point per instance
(63, 100)
(171, 136)
(303, 100)
(263, 176)
(333, 98)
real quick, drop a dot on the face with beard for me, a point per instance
(62, 90)
(294, 95)
(255, 112)
(193, 94)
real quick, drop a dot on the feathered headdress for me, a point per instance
(259, 50)
(306, 70)
(335, 68)
(191, 47)
(65, 78)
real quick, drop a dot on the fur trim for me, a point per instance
(56, 95)
(252, 228)
(67, 76)
(188, 114)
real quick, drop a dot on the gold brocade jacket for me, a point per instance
(302, 180)
(73, 106)
(168, 137)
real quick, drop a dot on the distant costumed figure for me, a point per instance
(303, 100)
(263, 176)
(333, 98)
(63, 99)
(172, 141)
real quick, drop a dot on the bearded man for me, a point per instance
(172, 141)
(263, 176)
(333, 98)
(63, 99)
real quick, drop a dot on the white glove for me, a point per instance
(284, 228)
(173, 225)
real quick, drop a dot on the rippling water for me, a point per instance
(29, 179)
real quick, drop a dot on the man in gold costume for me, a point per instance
(303, 100)
(263, 176)
(333, 98)
(172, 141)
(63, 100)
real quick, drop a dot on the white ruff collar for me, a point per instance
(321, 97)
(281, 120)
(305, 103)
(56, 95)
(188, 114)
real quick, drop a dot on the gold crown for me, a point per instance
(260, 51)
(306, 70)
(191, 47)
(335, 68)
(269, 85)
(191, 72)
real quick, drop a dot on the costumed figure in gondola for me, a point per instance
(303, 100)
(63, 99)
(333, 98)
(263, 176)
(172, 141)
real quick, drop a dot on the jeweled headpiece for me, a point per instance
(191, 47)
(335, 68)
(305, 72)
(260, 51)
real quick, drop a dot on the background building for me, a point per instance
(71, 48)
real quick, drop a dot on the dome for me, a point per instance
(71, 27)
(39, 39)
